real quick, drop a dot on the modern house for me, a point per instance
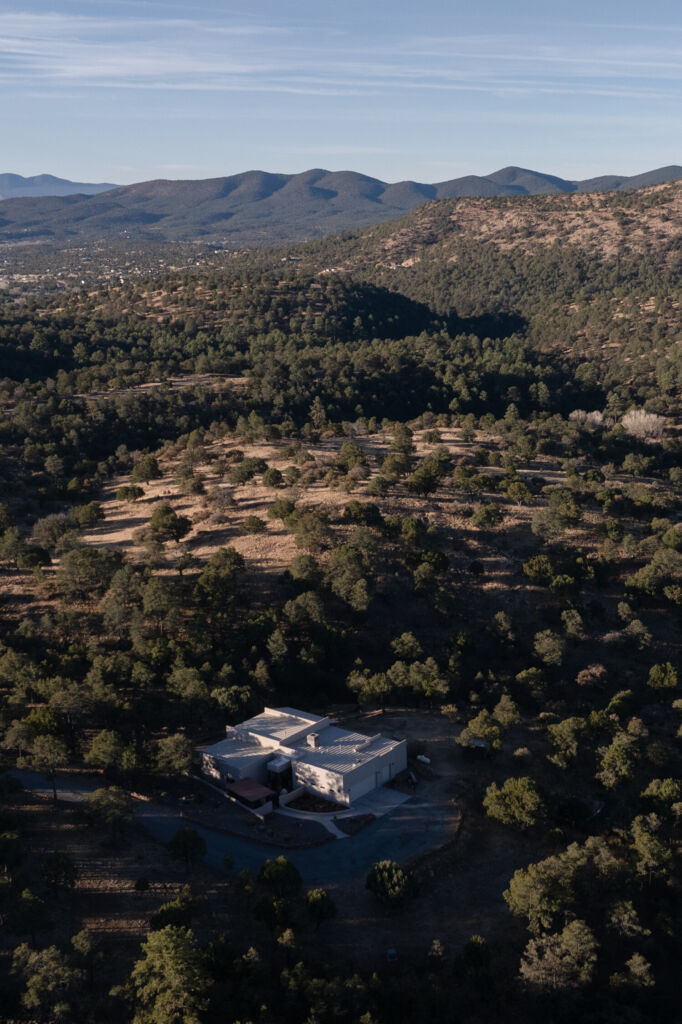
(286, 749)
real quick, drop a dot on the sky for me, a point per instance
(128, 90)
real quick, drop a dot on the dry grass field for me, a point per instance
(105, 900)
(271, 551)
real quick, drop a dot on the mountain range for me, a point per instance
(14, 186)
(256, 207)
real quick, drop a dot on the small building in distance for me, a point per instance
(283, 748)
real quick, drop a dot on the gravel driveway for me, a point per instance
(409, 830)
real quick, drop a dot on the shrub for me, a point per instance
(379, 485)
(129, 492)
(481, 727)
(663, 677)
(539, 570)
(86, 516)
(146, 469)
(281, 509)
(272, 478)
(253, 524)
(390, 883)
(518, 802)
(549, 647)
(165, 524)
(432, 437)
(49, 530)
(303, 568)
(532, 678)
(592, 675)
(245, 470)
(362, 513)
(178, 912)
(487, 516)
(281, 876)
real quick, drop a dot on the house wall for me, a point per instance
(344, 789)
(262, 811)
(255, 769)
(359, 786)
(286, 798)
(375, 773)
(210, 767)
(294, 737)
(219, 768)
(317, 780)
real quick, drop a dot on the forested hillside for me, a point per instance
(428, 472)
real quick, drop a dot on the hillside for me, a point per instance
(599, 224)
(257, 208)
(594, 276)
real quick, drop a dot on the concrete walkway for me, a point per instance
(327, 820)
(377, 803)
(380, 801)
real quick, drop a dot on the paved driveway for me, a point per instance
(380, 801)
(410, 829)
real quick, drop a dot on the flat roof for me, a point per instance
(240, 752)
(337, 750)
(279, 724)
(249, 789)
(342, 752)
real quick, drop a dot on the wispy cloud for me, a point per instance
(63, 52)
(341, 150)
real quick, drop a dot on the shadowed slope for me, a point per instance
(259, 208)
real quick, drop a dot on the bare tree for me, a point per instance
(643, 424)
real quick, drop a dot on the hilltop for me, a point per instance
(259, 209)
(15, 186)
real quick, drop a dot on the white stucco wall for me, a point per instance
(345, 789)
(359, 786)
(210, 767)
(219, 768)
(254, 768)
(326, 784)
(376, 772)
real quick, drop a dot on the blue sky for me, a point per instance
(126, 90)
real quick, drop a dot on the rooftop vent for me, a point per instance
(365, 743)
(313, 739)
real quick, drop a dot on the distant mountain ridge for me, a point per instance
(260, 208)
(15, 186)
